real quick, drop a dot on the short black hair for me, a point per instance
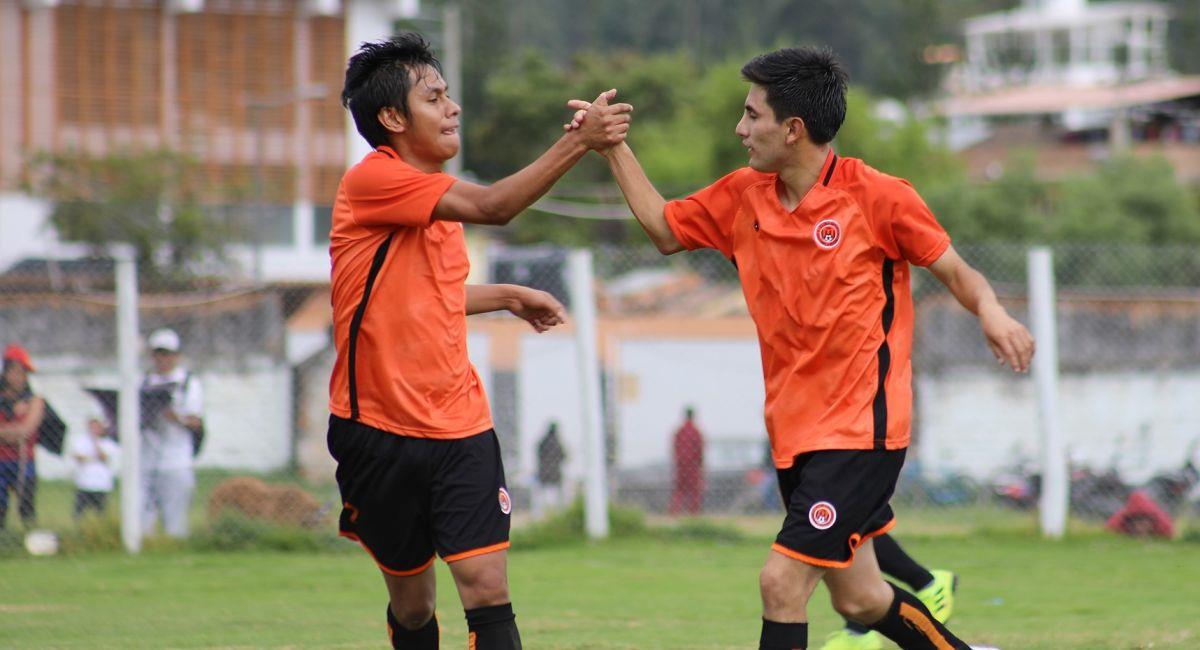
(803, 82)
(380, 74)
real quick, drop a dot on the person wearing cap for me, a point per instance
(21, 414)
(168, 475)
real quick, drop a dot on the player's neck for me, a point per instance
(800, 174)
(411, 156)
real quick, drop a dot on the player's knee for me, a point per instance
(485, 587)
(413, 614)
(773, 584)
(862, 605)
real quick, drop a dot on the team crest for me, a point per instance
(827, 234)
(822, 515)
(505, 501)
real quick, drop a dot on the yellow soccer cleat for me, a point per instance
(939, 595)
(846, 640)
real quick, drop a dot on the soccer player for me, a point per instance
(823, 247)
(418, 464)
(934, 587)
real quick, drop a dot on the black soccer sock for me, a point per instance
(493, 628)
(900, 565)
(424, 638)
(912, 627)
(783, 636)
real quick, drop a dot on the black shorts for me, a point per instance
(406, 498)
(835, 500)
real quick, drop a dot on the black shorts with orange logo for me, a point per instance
(406, 498)
(835, 500)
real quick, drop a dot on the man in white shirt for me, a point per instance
(94, 455)
(168, 478)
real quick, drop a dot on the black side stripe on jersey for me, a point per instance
(829, 174)
(879, 406)
(356, 322)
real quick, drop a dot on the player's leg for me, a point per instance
(935, 588)
(411, 618)
(384, 485)
(471, 509)
(482, 582)
(859, 592)
(786, 584)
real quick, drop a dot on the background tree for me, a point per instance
(148, 199)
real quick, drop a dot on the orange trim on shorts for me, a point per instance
(472, 553)
(856, 541)
(922, 623)
(471, 641)
(393, 572)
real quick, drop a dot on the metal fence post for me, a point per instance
(129, 408)
(1055, 495)
(583, 306)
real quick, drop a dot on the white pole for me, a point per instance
(128, 406)
(1055, 488)
(452, 66)
(583, 306)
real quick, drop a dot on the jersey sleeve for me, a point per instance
(907, 227)
(385, 192)
(705, 219)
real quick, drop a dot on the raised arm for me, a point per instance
(647, 204)
(498, 203)
(1008, 339)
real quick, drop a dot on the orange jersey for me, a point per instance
(828, 287)
(399, 305)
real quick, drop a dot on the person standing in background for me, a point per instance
(168, 445)
(550, 456)
(94, 456)
(21, 414)
(688, 495)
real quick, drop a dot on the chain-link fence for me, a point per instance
(234, 397)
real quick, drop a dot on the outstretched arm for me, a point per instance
(538, 308)
(646, 203)
(1008, 339)
(498, 203)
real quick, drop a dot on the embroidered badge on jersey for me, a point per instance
(505, 501)
(822, 515)
(828, 234)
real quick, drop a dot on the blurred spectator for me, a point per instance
(688, 495)
(21, 414)
(94, 456)
(169, 437)
(548, 493)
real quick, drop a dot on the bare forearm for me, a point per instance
(485, 298)
(509, 196)
(647, 204)
(972, 290)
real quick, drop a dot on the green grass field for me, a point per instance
(653, 591)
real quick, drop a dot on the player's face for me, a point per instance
(762, 135)
(432, 127)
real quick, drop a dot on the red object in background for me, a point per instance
(688, 495)
(1141, 517)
